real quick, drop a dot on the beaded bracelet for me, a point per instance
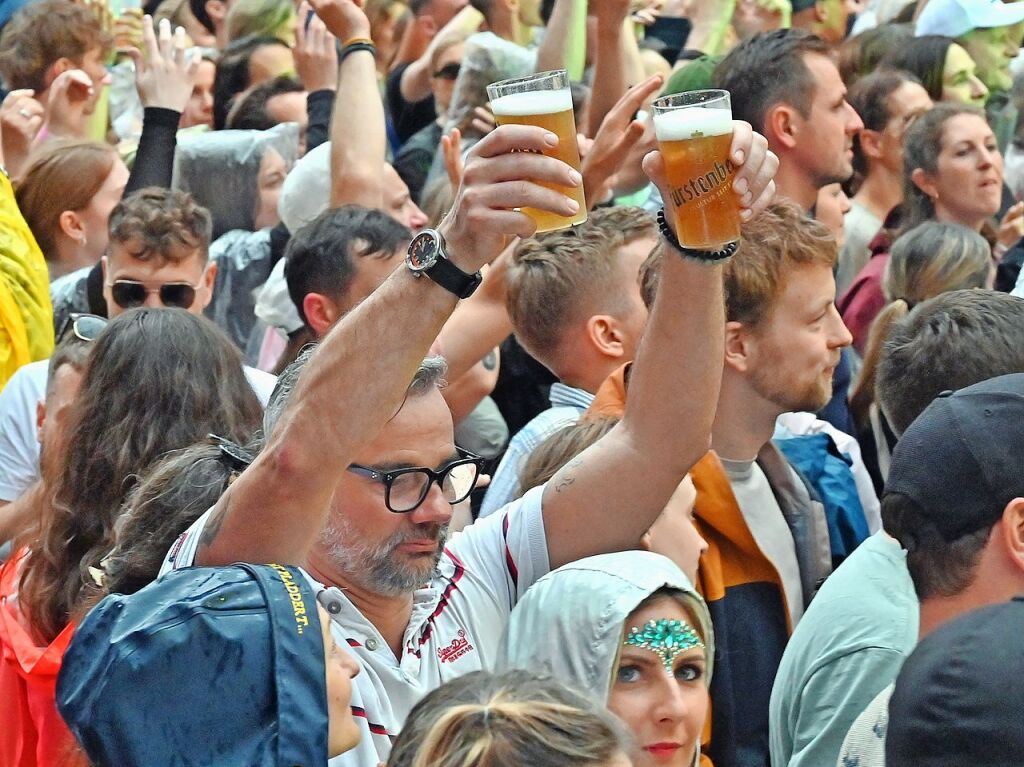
(700, 255)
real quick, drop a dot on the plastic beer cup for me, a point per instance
(694, 132)
(544, 100)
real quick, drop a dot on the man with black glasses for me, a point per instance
(360, 470)
(157, 257)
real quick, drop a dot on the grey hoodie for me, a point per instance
(569, 624)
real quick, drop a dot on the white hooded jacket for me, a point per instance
(569, 624)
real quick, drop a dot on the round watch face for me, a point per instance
(422, 252)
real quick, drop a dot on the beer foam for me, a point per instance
(682, 124)
(535, 103)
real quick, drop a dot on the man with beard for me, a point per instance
(768, 540)
(785, 84)
(360, 470)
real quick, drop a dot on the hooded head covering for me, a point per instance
(204, 666)
(220, 169)
(307, 189)
(570, 623)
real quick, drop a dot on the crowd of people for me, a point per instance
(314, 450)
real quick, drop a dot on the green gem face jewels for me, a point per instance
(665, 638)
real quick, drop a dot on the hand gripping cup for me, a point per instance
(543, 100)
(694, 132)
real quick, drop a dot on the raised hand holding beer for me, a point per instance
(506, 173)
(752, 183)
(543, 100)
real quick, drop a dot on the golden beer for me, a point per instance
(694, 143)
(551, 110)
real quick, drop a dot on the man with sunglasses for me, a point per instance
(157, 257)
(417, 154)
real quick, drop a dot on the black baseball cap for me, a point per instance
(960, 460)
(957, 699)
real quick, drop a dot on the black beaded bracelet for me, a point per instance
(699, 255)
(356, 47)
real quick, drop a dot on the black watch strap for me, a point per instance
(451, 278)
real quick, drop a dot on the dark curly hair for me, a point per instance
(159, 222)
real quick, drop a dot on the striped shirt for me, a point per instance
(457, 620)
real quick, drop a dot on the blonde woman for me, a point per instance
(516, 718)
(930, 259)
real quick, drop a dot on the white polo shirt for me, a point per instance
(457, 619)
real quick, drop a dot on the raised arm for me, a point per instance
(358, 136)
(565, 39)
(164, 76)
(617, 60)
(316, 63)
(358, 376)
(608, 496)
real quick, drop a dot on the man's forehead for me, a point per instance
(122, 264)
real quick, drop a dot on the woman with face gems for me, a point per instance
(629, 629)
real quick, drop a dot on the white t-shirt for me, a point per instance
(761, 511)
(456, 624)
(19, 435)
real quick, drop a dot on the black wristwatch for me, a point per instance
(427, 256)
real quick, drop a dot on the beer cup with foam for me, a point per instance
(694, 132)
(544, 100)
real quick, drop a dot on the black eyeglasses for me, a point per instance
(130, 293)
(406, 489)
(85, 327)
(448, 71)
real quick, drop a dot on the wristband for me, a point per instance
(353, 47)
(354, 40)
(699, 255)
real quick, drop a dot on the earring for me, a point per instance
(81, 241)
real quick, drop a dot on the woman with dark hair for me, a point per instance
(952, 173)
(945, 69)
(888, 102)
(244, 63)
(156, 380)
(859, 55)
(173, 494)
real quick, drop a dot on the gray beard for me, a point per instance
(377, 568)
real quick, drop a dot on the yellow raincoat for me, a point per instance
(26, 314)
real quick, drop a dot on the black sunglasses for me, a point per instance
(130, 293)
(406, 489)
(448, 71)
(84, 327)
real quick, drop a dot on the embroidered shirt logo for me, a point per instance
(459, 647)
